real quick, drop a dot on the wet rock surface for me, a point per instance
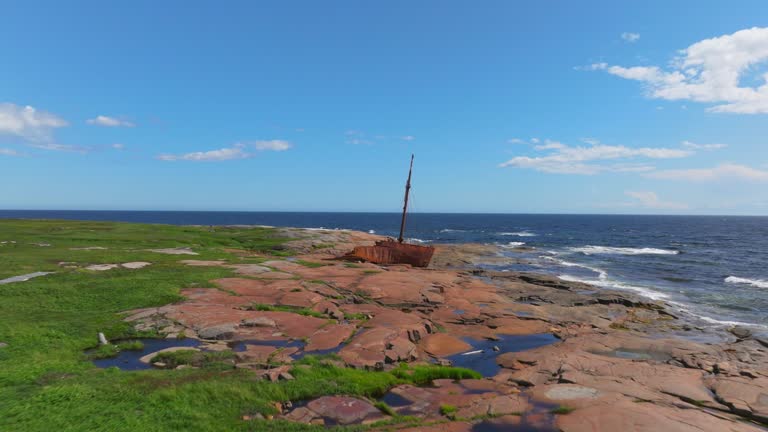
(557, 355)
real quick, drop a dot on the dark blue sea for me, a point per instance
(713, 269)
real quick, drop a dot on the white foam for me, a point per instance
(518, 234)
(447, 230)
(759, 283)
(371, 232)
(590, 250)
(602, 275)
(645, 292)
(417, 240)
(512, 245)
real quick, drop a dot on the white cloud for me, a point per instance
(709, 71)
(550, 145)
(237, 151)
(650, 200)
(28, 123)
(9, 152)
(516, 141)
(722, 171)
(408, 138)
(271, 145)
(109, 122)
(118, 146)
(581, 160)
(694, 146)
(630, 37)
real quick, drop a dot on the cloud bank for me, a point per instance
(709, 71)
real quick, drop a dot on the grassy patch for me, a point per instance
(448, 411)
(205, 359)
(311, 264)
(386, 409)
(284, 308)
(562, 410)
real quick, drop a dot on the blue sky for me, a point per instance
(509, 106)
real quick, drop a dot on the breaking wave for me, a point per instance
(608, 250)
(760, 283)
(513, 244)
(518, 234)
(448, 230)
(417, 240)
(645, 292)
(601, 274)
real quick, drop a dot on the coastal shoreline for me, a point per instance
(310, 341)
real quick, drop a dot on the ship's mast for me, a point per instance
(405, 205)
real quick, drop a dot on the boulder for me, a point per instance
(219, 332)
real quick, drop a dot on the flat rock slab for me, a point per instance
(345, 410)
(23, 278)
(175, 251)
(102, 267)
(571, 391)
(135, 265)
(630, 416)
(148, 358)
(443, 344)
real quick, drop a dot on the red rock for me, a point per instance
(443, 344)
(345, 410)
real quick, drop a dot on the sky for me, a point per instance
(653, 107)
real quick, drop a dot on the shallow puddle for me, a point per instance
(129, 360)
(484, 361)
(23, 278)
(243, 345)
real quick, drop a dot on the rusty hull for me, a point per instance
(392, 252)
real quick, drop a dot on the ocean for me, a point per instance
(710, 269)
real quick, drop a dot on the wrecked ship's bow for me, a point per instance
(392, 252)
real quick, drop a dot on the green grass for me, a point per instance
(386, 409)
(311, 264)
(562, 410)
(48, 383)
(206, 359)
(448, 410)
(283, 308)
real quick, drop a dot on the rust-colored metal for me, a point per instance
(392, 252)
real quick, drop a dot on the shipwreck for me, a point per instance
(391, 251)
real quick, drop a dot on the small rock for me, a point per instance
(496, 348)
(258, 322)
(285, 376)
(722, 367)
(223, 331)
(740, 332)
(3, 344)
(444, 362)
(103, 339)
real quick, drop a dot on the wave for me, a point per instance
(511, 245)
(602, 274)
(447, 230)
(609, 250)
(371, 232)
(760, 283)
(643, 291)
(417, 240)
(518, 234)
(685, 309)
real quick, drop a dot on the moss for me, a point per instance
(285, 308)
(562, 410)
(311, 264)
(448, 411)
(134, 345)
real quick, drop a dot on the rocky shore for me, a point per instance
(599, 360)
